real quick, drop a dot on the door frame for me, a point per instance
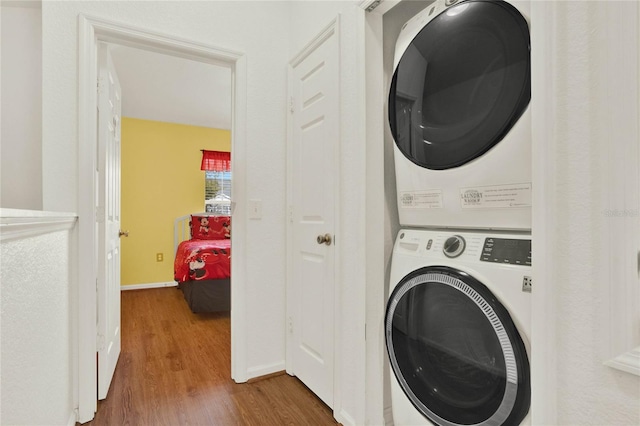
(332, 29)
(91, 31)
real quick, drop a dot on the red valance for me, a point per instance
(216, 161)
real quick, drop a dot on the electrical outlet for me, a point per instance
(159, 257)
(527, 283)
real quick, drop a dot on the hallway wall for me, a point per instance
(21, 112)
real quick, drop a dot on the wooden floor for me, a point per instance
(175, 369)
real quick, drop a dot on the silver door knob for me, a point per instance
(324, 239)
(121, 233)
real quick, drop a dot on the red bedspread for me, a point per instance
(202, 260)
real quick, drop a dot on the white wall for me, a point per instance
(21, 149)
(259, 29)
(38, 370)
(375, 93)
(580, 93)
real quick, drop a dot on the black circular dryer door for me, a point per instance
(462, 84)
(455, 351)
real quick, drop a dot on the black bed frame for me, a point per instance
(207, 295)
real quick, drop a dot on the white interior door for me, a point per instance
(315, 135)
(108, 220)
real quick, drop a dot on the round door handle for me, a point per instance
(324, 239)
(121, 233)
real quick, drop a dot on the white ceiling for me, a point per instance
(171, 89)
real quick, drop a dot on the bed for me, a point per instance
(202, 265)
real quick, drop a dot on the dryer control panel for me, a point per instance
(506, 250)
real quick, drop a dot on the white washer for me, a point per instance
(459, 114)
(457, 328)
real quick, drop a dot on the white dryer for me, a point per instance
(457, 328)
(459, 114)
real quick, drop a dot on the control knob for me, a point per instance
(454, 246)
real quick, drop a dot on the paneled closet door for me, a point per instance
(314, 82)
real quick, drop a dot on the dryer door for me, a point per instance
(455, 351)
(461, 84)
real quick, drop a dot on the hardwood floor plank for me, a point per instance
(175, 369)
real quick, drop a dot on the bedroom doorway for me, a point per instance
(92, 32)
(164, 124)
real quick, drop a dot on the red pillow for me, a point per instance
(210, 227)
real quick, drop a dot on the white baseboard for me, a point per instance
(388, 416)
(150, 285)
(263, 370)
(73, 418)
(344, 418)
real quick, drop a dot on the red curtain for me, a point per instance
(216, 161)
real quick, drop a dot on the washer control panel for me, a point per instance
(506, 250)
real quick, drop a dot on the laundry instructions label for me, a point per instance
(496, 196)
(429, 199)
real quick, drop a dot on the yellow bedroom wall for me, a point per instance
(161, 180)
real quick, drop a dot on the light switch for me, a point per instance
(255, 209)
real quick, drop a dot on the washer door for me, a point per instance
(455, 351)
(462, 84)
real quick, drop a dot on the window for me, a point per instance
(217, 192)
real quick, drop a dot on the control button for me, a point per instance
(454, 246)
(429, 243)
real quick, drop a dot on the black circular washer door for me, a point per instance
(455, 351)
(462, 84)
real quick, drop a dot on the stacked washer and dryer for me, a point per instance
(458, 317)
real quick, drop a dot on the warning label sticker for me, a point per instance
(431, 199)
(496, 197)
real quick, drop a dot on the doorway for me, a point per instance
(92, 32)
(171, 108)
